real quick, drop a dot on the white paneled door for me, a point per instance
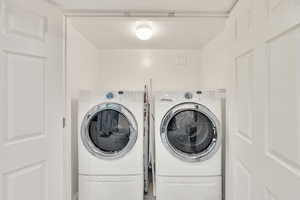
(31, 101)
(266, 140)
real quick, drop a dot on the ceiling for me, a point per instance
(168, 33)
(154, 5)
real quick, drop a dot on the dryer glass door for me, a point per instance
(191, 132)
(109, 131)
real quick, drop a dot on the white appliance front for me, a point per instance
(116, 159)
(169, 164)
(188, 143)
(110, 145)
(191, 188)
(111, 187)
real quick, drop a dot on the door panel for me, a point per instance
(282, 139)
(244, 75)
(282, 130)
(31, 103)
(16, 183)
(24, 23)
(21, 101)
(242, 182)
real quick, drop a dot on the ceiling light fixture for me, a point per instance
(144, 31)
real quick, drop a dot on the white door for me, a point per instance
(31, 101)
(266, 142)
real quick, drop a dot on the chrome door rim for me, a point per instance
(91, 147)
(204, 155)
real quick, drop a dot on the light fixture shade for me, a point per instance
(144, 32)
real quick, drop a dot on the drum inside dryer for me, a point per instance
(109, 130)
(191, 132)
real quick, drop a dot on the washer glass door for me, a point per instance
(190, 131)
(109, 131)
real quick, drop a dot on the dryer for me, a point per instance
(188, 145)
(110, 145)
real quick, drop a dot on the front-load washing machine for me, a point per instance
(110, 145)
(188, 145)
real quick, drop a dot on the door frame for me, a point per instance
(67, 138)
(67, 142)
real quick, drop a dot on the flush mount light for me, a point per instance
(144, 31)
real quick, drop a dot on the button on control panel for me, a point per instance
(188, 95)
(110, 95)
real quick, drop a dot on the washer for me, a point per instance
(188, 145)
(110, 145)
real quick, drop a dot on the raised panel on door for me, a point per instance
(281, 16)
(25, 90)
(242, 181)
(244, 76)
(283, 98)
(31, 101)
(17, 180)
(282, 137)
(268, 195)
(244, 21)
(25, 23)
(243, 141)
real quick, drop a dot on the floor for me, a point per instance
(149, 195)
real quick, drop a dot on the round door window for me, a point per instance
(109, 131)
(191, 132)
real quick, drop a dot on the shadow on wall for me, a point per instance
(74, 122)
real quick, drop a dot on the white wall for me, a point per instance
(257, 59)
(130, 69)
(83, 62)
(82, 74)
